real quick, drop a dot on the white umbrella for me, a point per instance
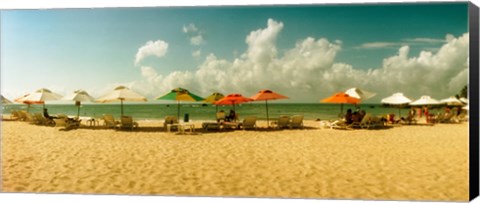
(360, 94)
(41, 95)
(121, 94)
(465, 107)
(464, 100)
(452, 101)
(425, 101)
(397, 99)
(4, 100)
(79, 96)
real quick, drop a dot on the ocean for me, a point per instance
(197, 111)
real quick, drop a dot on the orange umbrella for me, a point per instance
(232, 99)
(267, 95)
(341, 98)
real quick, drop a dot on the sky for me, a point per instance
(304, 52)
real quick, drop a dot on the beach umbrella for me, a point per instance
(451, 101)
(121, 93)
(397, 99)
(466, 107)
(341, 98)
(425, 101)
(214, 97)
(28, 103)
(79, 96)
(40, 96)
(464, 100)
(233, 99)
(360, 94)
(4, 100)
(180, 94)
(267, 95)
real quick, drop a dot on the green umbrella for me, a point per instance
(180, 94)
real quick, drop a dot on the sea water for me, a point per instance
(198, 111)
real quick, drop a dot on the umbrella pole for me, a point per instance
(178, 109)
(341, 110)
(266, 104)
(78, 111)
(121, 107)
(28, 107)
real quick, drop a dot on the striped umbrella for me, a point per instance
(180, 94)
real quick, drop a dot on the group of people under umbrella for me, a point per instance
(121, 93)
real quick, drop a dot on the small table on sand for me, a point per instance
(90, 121)
(181, 127)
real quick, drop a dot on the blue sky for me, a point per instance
(96, 49)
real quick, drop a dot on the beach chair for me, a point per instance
(442, 118)
(462, 117)
(170, 123)
(296, 122)
(127, 122)
(249, 122)
(66, 123)
(282, 122)
(39, 119)
(29, 118)
(109, 121)
(14, 115)
(220, 116)
(339, 125)
(364, 123)
(211, 126)
(22, 114)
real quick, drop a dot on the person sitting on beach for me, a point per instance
(231, 116)
(348, 117)
(356, 117)
(46, 115)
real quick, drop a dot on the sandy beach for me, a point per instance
(401, 163)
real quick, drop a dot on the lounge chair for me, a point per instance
(29, 118)
(127, 122)
(170, 122)
(445, 118)
(109, 121)
(66, 122)
(282, 122)
(22, 115)
(249, 122)
(220, 116)
(297, 121)
(14, 115)
(409, 120)
(337, 124)
(368, 121)
(211, 126)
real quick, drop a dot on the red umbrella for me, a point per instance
(233, 99)
(341, 98)
(267, 95)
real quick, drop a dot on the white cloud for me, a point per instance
(189, 28)
(309, 70)
(196, 40)
(196, 36)
(426, 40)
(197, 53)
(378, 45)
(151, 48)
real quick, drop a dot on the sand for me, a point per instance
(406, 162)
